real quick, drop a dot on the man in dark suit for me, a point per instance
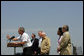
(35, 43)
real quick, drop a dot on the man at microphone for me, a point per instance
(25, 41)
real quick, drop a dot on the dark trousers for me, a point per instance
(45, 54)
(27, 51)
(39, 50)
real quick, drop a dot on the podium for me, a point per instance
(14, 45)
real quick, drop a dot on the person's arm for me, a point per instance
(20, 42)
(35, 45)
(64, 40)
(14, 39)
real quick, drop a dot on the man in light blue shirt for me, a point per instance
(40, 40)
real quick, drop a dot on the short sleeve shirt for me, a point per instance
(23, 38)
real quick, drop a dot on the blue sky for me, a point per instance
(43, 15)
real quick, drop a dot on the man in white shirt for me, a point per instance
(25, 41)
(40, 40)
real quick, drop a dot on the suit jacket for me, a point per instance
(35, 44)
(45, 45)
(65, 44)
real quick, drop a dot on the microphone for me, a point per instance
(12, 38)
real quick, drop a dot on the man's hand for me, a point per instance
(19, 43)
(58, 48)
(35, 52)
(15, 42)
(8, 37)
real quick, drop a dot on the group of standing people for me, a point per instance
(64, 41)
(42, 45)
(33, 46)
